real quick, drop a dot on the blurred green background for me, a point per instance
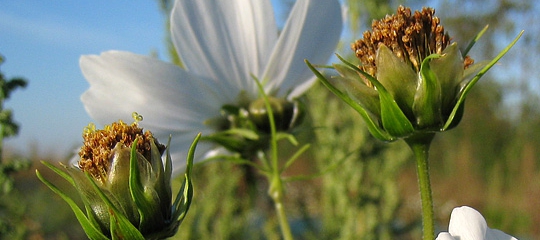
(489, 162)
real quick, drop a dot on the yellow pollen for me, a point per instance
(96, 152)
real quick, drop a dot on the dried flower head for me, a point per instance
(125, 184)
(95, 154)
(412, 80)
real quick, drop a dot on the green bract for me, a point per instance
(399, 102)
(133, 199)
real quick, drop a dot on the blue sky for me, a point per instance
(42, 42)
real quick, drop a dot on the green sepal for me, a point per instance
(449, 71)
(147, 203)
(393, 119)
(162, 180)
(465, 90)
(427, 100)
(121, 227)
(234, 139)
(185, 194)
(398, 78)
(355, 87)
(372, 124)
(89, 228)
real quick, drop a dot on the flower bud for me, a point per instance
(124, 184)
(287, 114)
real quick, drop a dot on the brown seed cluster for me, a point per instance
(96, 153)
(411, 37)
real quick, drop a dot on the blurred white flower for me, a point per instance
(468, 224)
(222, 45)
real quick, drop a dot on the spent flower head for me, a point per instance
(412, 80)
(124, 184)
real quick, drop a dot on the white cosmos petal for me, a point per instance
(226, 41)
(311, 32)
(168, 97)
(468, 224)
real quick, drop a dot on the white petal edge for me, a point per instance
(311, 32)
(445, 236)
(227, 41)
(467, 223)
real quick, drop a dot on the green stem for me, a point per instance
(420, 147)
(276, 192)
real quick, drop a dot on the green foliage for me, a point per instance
(10, 218)
(8, 127)
(360, 198)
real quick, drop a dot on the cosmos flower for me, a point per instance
(412, 80)
(468, 224)
(223, 45)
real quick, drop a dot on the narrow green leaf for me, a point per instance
(474, 40)
(183, 199)
(463, 93)
(294, 157)
(283, 135)
(91, 231)
(61, 173)
(372, 126)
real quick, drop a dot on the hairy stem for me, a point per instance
(420, 147)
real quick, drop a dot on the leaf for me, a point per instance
(91, 231)
(463, 93)
(474, 40)
(294, 157)
(183, 199)
(372, 126)
(61, 173)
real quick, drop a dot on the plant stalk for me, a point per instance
(276, 193)
(420, 147)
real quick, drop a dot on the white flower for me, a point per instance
(222, 45)
(468, 224)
